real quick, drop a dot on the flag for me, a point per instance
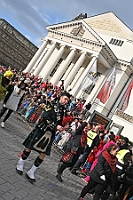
(86, 83)
(126, 97)
(88, 80)
(107, 88)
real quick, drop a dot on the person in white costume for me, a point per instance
(12, 100)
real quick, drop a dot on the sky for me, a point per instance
(30, 17)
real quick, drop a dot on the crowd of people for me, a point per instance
(104, 159)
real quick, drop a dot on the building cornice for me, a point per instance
(76, 23)
(109, 52)
(76, 38)
(128, 66)
(123, 63)
(124, 116)
(100, 43)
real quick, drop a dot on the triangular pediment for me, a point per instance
(79, 29)
(109, 24)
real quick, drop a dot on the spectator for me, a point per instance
(74, 148)
(65, 136)
(101, 174)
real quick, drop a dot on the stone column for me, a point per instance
(62, 68)
(44, 60)
(68, 71)
(76, 88)
(75, 69)
(36, 57)
(45, 72)
(77, 77)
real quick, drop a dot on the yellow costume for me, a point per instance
(4, 82)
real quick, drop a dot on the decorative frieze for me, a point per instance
(78, 31)
(105, 25)
(124, 116)
(76, 38)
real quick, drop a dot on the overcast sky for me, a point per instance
(30, 17)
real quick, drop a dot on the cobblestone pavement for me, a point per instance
(16, 187)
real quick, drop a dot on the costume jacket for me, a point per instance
(42, 136)
(103, 168)
(13, 98)
(75, 145)
(4, 83)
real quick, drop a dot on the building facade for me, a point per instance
(91, 55)
(15, 49)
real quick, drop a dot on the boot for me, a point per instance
(58, 176)
(30, 174)
(59, 167)
(20, 166)
(73, 171)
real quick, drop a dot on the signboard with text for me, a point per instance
(98, 118)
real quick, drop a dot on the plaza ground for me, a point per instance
(16, 187)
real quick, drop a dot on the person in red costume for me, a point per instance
(92, 155)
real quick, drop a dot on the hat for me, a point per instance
(8, 73)
(66, 94)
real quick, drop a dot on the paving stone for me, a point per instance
(47, 187)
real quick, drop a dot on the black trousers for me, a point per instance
(82, 159)
(7, 115)
(62, 165)
(99, 188)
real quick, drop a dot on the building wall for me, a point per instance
(15, 49)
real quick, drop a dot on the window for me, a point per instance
(116, 42)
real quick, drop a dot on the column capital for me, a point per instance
(83, 52)
(93, 55)
(44, 40)
(72, 48)
(52, 42)
(62, 45)
(89, 54)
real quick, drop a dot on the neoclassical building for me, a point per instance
(87, 53)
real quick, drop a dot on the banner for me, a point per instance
(126, 97)
(88, 80)
(107, 88)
